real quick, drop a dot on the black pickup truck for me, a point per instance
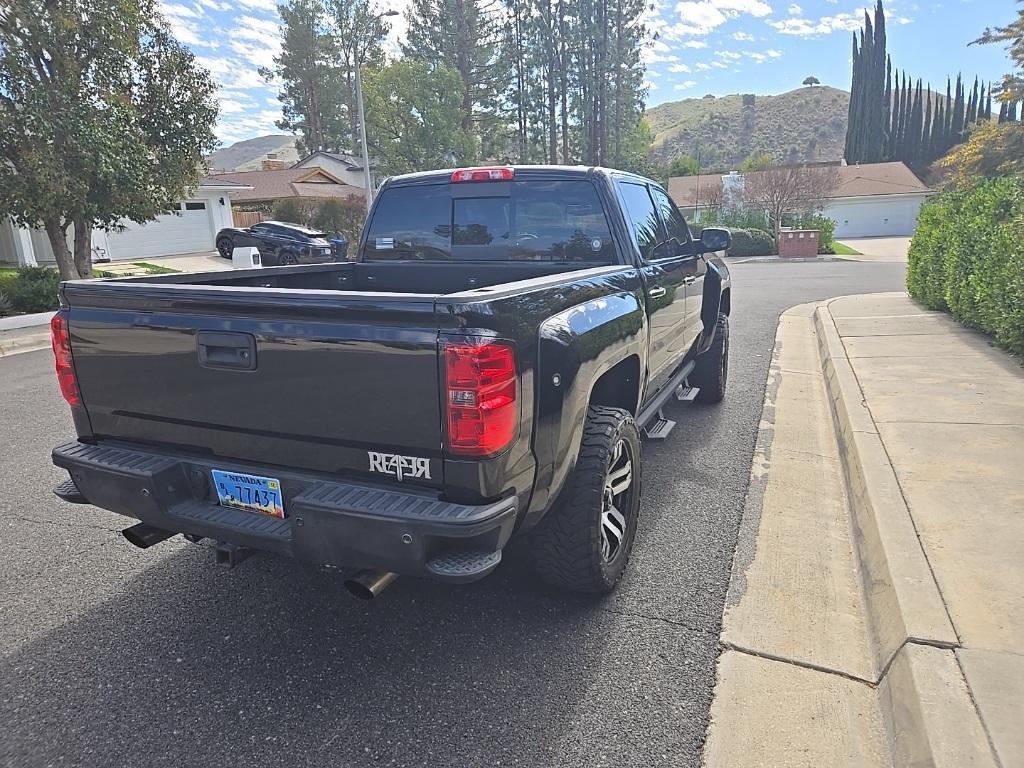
(483, 370)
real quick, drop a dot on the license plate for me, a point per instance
(249, 492)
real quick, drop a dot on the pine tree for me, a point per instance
(311, 90)
(467, 36)
(1003, 111)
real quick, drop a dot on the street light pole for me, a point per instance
(361, 115)
(367, 177)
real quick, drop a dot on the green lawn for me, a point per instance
(155, 269)
(842, 249)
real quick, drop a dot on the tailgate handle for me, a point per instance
(227, 350)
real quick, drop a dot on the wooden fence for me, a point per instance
(248, 218)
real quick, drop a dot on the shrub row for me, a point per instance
(30, 289)
(751, 242)
(967, 258)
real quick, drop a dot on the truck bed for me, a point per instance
(428, 278)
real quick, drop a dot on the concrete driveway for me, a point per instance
(879, 248)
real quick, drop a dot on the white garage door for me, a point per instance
(875, 218)
(187, 231)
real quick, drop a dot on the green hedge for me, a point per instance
(30, 289)
(967, 258)
(751, 242)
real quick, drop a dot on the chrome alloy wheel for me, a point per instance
(618, 490)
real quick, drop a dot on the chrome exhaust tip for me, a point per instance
(367, 585)
(144, 536)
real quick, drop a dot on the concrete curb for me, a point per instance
(29, 343)
(15, 322)
(928, 713)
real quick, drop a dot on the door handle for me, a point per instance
(689, 279)
(656, 292)
(227, 350)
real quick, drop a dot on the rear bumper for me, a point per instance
(331, 523)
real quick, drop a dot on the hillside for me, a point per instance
(248, 155)
(808, 124)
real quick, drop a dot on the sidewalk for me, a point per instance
(876, 610)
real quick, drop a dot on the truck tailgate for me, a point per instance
(296, 378)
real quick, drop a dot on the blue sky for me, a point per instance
(703, 46)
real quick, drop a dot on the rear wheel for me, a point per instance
(712, 371)
(584, 542)
(287, 258)
(224, 247)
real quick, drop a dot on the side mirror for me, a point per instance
(714, 239)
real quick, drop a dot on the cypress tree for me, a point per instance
(972, 107)
(875, 90)
(887, 112)
(957, 132)
(913, 154)
(904, 119)
(947, 127)
(988, 104)
(926, 130)
(853, 115)
(935, 148)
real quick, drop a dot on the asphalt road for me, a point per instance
(111, 656)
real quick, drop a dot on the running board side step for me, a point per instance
(652, 420)
(659, 428)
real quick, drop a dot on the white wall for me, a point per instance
(875, 216)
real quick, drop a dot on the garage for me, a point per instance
(191, 227)
(188, 230)
(883, 216)
(871, 200)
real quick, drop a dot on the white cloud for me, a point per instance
(795, 10)
(825, 25)
(652, 73)
(699, 17)
(679, 68)
(657, 52)
(701, 67)
(685, 85)
(260, 5)
(651, 86)
(760, 57)
(742, 36)
(252, 28)
(694, 44)
(728, 55)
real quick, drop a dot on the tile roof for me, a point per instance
(285, 183)
(867, 180)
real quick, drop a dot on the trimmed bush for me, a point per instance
(967, 258)
(34, 289)
(751, 242)
(825, 225)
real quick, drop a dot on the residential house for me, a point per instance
(871, 200)
(190, 226)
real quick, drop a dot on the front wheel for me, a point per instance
(711, 373)
(583, 543)
(224, 248)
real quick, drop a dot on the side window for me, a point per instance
(643, 217)
(259, 229)
(670, 215)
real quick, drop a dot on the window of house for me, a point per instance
(194, 206)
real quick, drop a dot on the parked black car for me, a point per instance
(280, 243)
(484, 369)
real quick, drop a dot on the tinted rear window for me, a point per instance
(518, 221)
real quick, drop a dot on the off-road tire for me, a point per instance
(712, 371)
(566, 545)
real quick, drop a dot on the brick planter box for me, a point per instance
(798, 243)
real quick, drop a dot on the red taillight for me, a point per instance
(495, 173)
(480, 395)
(61, 339)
